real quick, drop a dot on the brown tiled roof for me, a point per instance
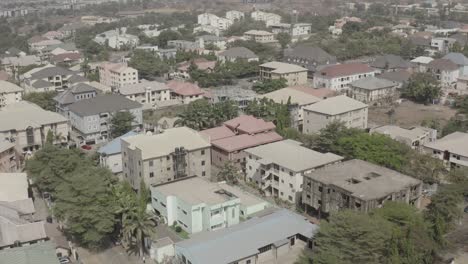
(244, 141)
(344, 70)
(317, 92)
(249, 124)
(217, 133)
(71, 56)
(184, 88)
(443, 65)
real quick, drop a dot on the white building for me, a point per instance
(414, 137)
(268, 18)
(214, 21)
(421, 63)
(110, 155)
(335, 109)
(116, 75)
(446, 72)
(277, 168)
(462, 85)
(9, 93)
(338, 77)
(442, 45)
(146, 92)
(260, 36)
(295, 30)
(234, 15)
(117, 39)
(452, 149)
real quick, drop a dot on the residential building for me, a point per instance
(214, 21)
(183, 69)
(173, 154)
(442, 45)
(390, 63)
(14, 64)
(237, 53)
(78, 92)
(401, 78)
(446, 72)
(462, 85)
(40, 43)
(338, 77)
(294, 30)
(308, 57)
(27, 125)
(234, 15)
(8, 158)
(69, 59)
(43, 252)
(17, 223)
(337, 28)
(235, 135)
(335, 109)
(93, 20)
(183, 45)
(53, 35)
(116, 75)
(91, 118)
(146, 92)
(242, 96)
(260, 36)
(322, 93)
(186, 92)
(271, 238)
(293, 74)
(47, 78)
(110, 155)
(373, 90)
(10, 93)
(117, 39)
(208, 29)
(452, 149)
(414, 137)
(421, 63)
(459, 59)
(268, 18)
(358, 185)
(69, 30)
(297, 100)
(213, 206)
(277, 168)
(206, 40)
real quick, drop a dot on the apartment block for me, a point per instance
(352, 113)
(47, 78)
(10, 93)
(110, 155)
(294, 30)
(214, 21)
(358, 185)
(235, 15)
(339, 76)
(116, 75)
(445, 71)
(260, 36)
(277, 168)
(373, 90)
(293, 74)
(159, 158)
(146, 92)
(415, 137)
(268, 18)
(452, 149)
(77, 92)
(308, 57)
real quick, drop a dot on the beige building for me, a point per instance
(452, 149)
(277, 168)
(462, 85)
(8, 159)
(260, 36)
(294, 75)
(414, 137)
(27, 125)
(170, 155)
(358, 185)
(146, 92)
(9, 93)
(373, 90)
(116, 75)
(335, 109)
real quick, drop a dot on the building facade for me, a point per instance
(259, 36)
(338, 77)
(146, 92)
(10, 93)
(373, 90)
(452, 149)
(116, 75)
(8, 159)
(268, 18)
(293, 74)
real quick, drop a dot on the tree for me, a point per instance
(303, 259)
(269, 85)
(229, 173)
(284, 39)
(121, 123)
(270, 111)
(45, 100)
(148, 64)
(200, 114)
(165, 36)
(423, 88)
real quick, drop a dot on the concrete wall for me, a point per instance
(313, 121)
(338, 83)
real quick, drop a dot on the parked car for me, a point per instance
(64, 260)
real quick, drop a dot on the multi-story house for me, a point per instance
(390, 63)
(91, 118)
(214, 21)
(260, 36)
(8, 157)
(186, 92)
(294, 30)
(47, 78)
(147, 92)
(237, 134)
(27, 125)
(277, 168)
(116, 75)
(446, 72)
(308, 57)
(297, 100)
(452, 149)
(414, 137)
(420, 63)
(293, 74)
(338, 77)
(77, 92)
(171, 155)
(373, 90)
(206, 40)
(350, 112)
(460, 59)
(442, 45)
(117, 39)
(268, 18)
(235, 15)
(358, 185)
(213, 206)
(10, 93)
(14, 64)
(110, 155)
(237, 53)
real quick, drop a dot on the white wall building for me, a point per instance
(9, 93)
(146, 92)
(268, 18)
(234, 15)
(338, 77)
(215, 21)
(116, 75)
(117, 39)
(452, 149)
(295, 30)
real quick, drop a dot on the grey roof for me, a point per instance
(42, 84)
(5, 144)
(114, 147)
(390, 61)
(140, 88)
(243, 240)
(50, 71)
(39, 253)
(402, 134)
(106, 103)
(14, 51)
(461, 38)
(239, 52)
(291, 155)
(77, 79)
(212, 38)
(8, 87)
(396, 76)
(68, 96)
(336, 105)
(370, 181)
(23, 114)
(315, 54)
(457, 58)
(455, 143)
(69, 46)
(373, 83)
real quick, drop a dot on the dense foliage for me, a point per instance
(263, 51)
(268, 86)
(223, 74)
(45, 99)
(268, 110)
(121, 123)
(148, 64)
(201, 114)
(423, 88)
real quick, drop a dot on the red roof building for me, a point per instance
(185, 91)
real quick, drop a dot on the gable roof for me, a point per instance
(114, 147)
(106, 103)
(77, 79)
(443, 65)
(63, 57)
(68, 96)
(390, 61)
(401, 76)
(23, 114)
(457, 58)
(249, 124)
(142, 87)
(317, 92)
(8, 87)
(422, 60)
(346, 69)
(373, 83)
(42, 84)
(281, 67)
(184, 88)
(298, 97)
(49, 72)
(243, 141)
(38, 253)
(336, 105)
(239, 52)
(456, 142)
(314, 54)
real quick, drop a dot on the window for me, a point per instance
(290, 185)
(151, 163)
(291, 173)
(248, 261)
(233, 212)
(162, 204)
(203, 152)
(320, 188)
(168, 168)
(185, 212)
(151, 174)
(203, 163)
(168, 158)
(203, 173)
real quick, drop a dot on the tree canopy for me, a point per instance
(121, 123)
(423, 88)
(148, 64)
(201, 114)
(45, 99)
(269, 85)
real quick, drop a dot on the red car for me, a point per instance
(87, 147)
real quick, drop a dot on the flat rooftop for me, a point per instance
(292, 155)
(363, 179)
(247, 199)
(455, 143)
(397, 132)
(336, 105)
(282, 96)
(13, 187)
